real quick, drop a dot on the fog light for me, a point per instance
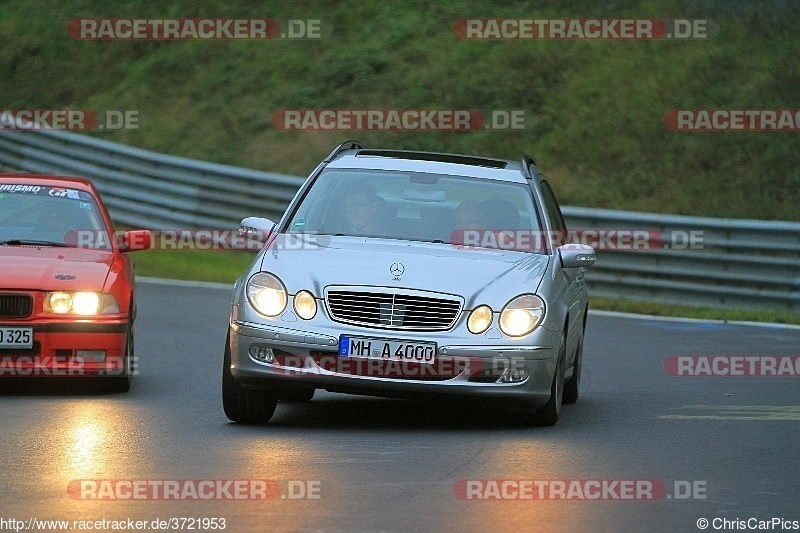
(305, 305)
(262, 353)
(480, 319)
(513, 375)
(98, 356)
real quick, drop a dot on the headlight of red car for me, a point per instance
(80, 303)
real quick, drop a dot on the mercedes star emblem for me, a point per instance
(397, 270)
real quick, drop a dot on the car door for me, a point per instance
(574, 293)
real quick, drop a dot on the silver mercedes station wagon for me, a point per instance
(413, 275)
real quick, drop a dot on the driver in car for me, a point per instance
(362, 208)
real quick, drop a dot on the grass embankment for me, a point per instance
(595, 108)
(201, 265)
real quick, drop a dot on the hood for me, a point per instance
(36, 268)
(480, 276)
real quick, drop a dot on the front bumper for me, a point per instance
(310, 358)
(68, 349)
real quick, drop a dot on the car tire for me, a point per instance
(248, 406)
(547, 415)
(571, 387)
(123, 383)
(298, 395)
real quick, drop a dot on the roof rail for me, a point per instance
(527, 162)
(347, 145)
(438, 157)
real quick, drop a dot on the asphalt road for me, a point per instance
(373, 464)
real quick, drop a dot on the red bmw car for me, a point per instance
(67, 289)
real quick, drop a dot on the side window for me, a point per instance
(551, 206)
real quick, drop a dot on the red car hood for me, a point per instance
(36, 268)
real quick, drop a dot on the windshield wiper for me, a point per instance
(30, 242)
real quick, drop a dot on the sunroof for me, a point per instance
(441, 158)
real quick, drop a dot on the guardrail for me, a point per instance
(148, 189)
(733, 263)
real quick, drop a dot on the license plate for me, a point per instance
(16, 338)
(387, 350)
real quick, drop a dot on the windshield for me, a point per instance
(55, 216)
(415, 206)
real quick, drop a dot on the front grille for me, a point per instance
(15, 305)
(393, 310)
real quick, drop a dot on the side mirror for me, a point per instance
(577, 255)
(135, 240)
(254, 226)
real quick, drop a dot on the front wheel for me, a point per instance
(123, 383)
(571, 391)
(547, 415)
(249, 406)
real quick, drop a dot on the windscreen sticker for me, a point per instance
(299, 223)
(58, 192)
(32, 189)
(86, 205)
(62, 192)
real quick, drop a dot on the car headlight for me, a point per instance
(480, 319)
(266, 294)
(305, 305)
(521, 315)
(80, 303)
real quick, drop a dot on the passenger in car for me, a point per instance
(470, 218)
(470, 215)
